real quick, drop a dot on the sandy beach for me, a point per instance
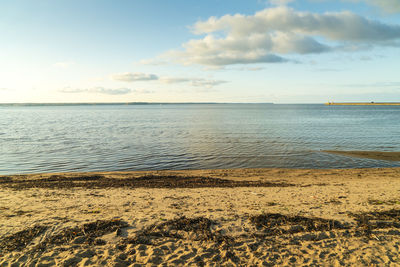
(241, 217)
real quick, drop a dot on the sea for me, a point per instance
(96, 137)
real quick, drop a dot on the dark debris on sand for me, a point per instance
(197, 229)
(147, 181)
(201, 229)
(368, 221)
(90, 231)
(392, 215)
(21, 239)
(276, 224)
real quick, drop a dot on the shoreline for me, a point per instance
(378, 155)
(230, 173)
(230, 217)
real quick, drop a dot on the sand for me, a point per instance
(238, 217)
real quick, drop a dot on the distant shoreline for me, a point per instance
(363, 104)
(195, 103)
(123, 103)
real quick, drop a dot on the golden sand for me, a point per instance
(298, 217)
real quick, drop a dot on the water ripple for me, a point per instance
(153, 137)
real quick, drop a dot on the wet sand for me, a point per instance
(379, 155)
(205, 217)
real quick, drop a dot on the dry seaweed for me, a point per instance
(276, 224)
(90, 231)
(378, 219)
(198, 229)
(60, 178)
(147, 181)
(181, 228)
(21, 239)
(5, 179)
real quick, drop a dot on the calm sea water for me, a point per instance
(192, 136)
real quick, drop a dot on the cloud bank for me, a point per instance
(134, 77)
(270, 35)
(102, 90)
(197, 82)
(280, 2)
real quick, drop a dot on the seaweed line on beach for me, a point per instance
(272, 224)
(196, 229)
(369, 221)
(201, 229)
(21, 239)
(89, 232)
(147, 181)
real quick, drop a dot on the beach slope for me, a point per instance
(206, 217)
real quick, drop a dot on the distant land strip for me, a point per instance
(120, 103)
(379, 155)
(363, 104)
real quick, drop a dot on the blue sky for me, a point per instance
(277, 51)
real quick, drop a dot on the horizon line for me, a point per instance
(169, 103)
(137, 103)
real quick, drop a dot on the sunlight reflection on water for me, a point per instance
(150, 137)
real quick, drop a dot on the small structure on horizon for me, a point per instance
(372, 103)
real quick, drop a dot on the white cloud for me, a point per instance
(143, 91)
(280, 2)
(197, 82)
(170, 80)
(272, 34)
(134, 77)
(193, 81)
(98, 90)
(206, 83)
(64, 64)
(249, 68)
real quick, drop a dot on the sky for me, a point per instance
(251, 51)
